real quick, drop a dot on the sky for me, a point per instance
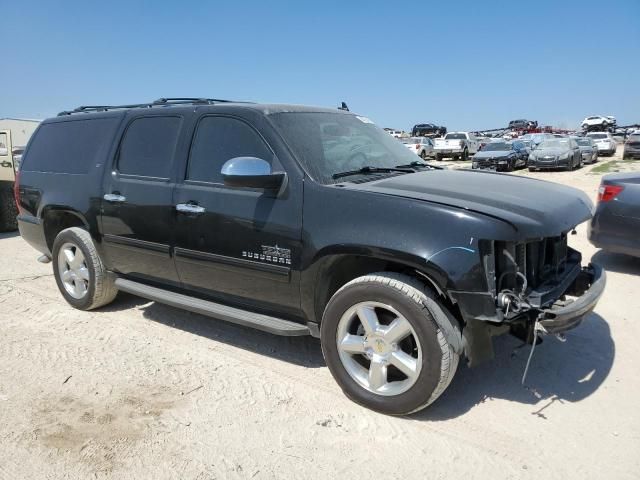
(468, 65)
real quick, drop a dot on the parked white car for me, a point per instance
(598, 121)
(421, 146)
(458, 145)
(604, 141)
(394, 133)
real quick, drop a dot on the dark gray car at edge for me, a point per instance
(615, 225)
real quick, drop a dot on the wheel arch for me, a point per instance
(57, 218)
(335, 267)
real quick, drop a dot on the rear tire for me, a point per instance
(80, 274)
(438, 157)
(8, 210)
(362, 353)
(465, 155)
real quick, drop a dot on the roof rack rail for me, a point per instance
(161, 102)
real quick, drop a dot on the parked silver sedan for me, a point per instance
(556, 153)
(421, 146)
(588, 149)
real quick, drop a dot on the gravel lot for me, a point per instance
(141, 390)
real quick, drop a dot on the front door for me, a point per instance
(137, 206)
(238, 245)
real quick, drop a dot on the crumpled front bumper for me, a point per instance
(563, 316)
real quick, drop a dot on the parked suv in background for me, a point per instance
(8, 166)
(522, 124)
(604, 141)
(300, 220)
(428, 130)
(598, 122)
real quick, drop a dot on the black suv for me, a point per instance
(428, 130)
(522, 124)
(297, 221)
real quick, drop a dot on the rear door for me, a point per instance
(137, 206)
(240, 245)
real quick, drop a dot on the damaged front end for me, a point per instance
(534, 286)
(542, 280)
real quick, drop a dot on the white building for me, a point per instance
(21, 129)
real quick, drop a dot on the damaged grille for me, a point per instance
(539, 261)
(525, 267)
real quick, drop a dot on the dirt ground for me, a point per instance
(141, 390)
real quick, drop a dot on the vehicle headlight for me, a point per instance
(564, 156)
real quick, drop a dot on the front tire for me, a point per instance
(80, 274)
(423, 155)
(383, 341)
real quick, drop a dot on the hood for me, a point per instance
(549, 152)
(483, 155)
(534, 208)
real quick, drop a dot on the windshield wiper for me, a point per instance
(370, 169)
(419, 164)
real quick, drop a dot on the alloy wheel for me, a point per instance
(379, 348)
(73, 270)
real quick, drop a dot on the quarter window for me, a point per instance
(148, 146)
(219, 139)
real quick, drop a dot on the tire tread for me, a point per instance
(417, 292)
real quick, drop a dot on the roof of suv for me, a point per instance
(182, 104)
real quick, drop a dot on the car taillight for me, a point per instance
(417, 146)
(16, 191)
(607, 193)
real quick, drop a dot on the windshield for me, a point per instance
(455, 136)
(496, 147)
(583, 142)
(634, 138)
(410, 140)
(598, 135)
(330, 143)
(553, 144)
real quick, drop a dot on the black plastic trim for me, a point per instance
(136, 244)
(184, 253)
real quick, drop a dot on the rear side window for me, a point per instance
(219, 139)
(148, 147)
(70, 147)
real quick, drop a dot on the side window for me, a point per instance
(70, 146)
(219, 139)
(148, 146)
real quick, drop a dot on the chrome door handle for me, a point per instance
(114, 197)
(189, 208)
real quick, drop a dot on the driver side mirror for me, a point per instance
(252, 172)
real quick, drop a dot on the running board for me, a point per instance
(274, 325)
